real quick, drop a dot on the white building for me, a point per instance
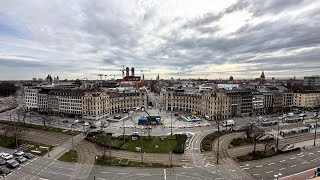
(31, 98)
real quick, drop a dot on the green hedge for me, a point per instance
(181, 139)
(206, 143)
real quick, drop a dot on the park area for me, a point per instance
(148, 144)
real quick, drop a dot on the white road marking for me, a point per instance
(282, 169)
(301, 155)
(271, 164)
(259, 166)
(282, 160)
(43, 179)
(164, 174)
(140, 174)
(101, 179)
(104, 172)
(292, 158)
(318, 151)
(219, 178)
(311, 153)
(256, 174)
(121, 173)
(304, 162)
(245, 168)
(313, 159)
(269, 172)
(293, 165)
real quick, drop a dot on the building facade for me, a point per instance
(31, 98)
(311, 81)
(308, 99)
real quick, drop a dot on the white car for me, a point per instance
(18, 153)
(6, 156)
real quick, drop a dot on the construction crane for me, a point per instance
(122, 70)
(100, 75)
(143, 70)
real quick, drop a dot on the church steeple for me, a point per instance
(262, 77)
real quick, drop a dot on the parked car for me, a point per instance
(21, 159)
(65, 121)
(28, 155)
(18, 153)
(2, 162)
(302, 115)
(6, 156)
(4, 171)
(12, 163)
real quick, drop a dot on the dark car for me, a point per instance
(2, 162)
(4, 171)
(28, 155)
(21, 159)
(12, 163)
(65, 121)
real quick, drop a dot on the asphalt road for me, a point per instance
(286, 164)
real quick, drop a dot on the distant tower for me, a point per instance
(132, 71)
(262, 77)
(127, 71)
(231, 78)
(158, 78)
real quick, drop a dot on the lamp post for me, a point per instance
(315, 133)
(141, 146)
(171, 124)
(218, 120)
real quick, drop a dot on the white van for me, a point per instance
(228, 123)
(290, 114)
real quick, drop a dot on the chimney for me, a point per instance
(127, 71)
(132, 71)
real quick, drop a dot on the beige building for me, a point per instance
(205, 104)
(124, 101)
(95, 105)
(308, 99)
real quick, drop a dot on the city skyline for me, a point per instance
(194, 39)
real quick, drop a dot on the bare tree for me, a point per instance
(255, 135)
(102, 140)
(268, 143)
(21, 113)
(249, 130)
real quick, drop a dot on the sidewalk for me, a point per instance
(63, 148)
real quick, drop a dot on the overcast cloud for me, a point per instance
(194, 38)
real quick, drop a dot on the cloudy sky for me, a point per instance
(176, 38)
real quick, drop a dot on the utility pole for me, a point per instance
(218, 120)
(72, 138)
(171, 124)
(141, 147)
(315, 133)
(277, 144)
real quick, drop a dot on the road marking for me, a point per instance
(293, 165)
(256, 174)
(269, 172)
(101, 179)
(292, 158)
(259, 166)
(104, 172)
(311, 153)
(313, 159)
(219, 178)
(143, 174)
(232, 170)
(208, 164)
(271, 164)
(121, 173)
(301, 155)
(245, 168)
(19, 168)
(164, 174)
(43, 179)
(318, 151)
(304, 162)
(282, 160)
(282, 169)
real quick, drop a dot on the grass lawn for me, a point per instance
(70, 156)
(240, 142)
(206, 143)
(150, 143)
(9, 142)
(40, 127)
(107, 161)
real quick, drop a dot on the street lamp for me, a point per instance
(315, 133)
(277, 176)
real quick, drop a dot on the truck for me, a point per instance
(142, 121)
(228, 123)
